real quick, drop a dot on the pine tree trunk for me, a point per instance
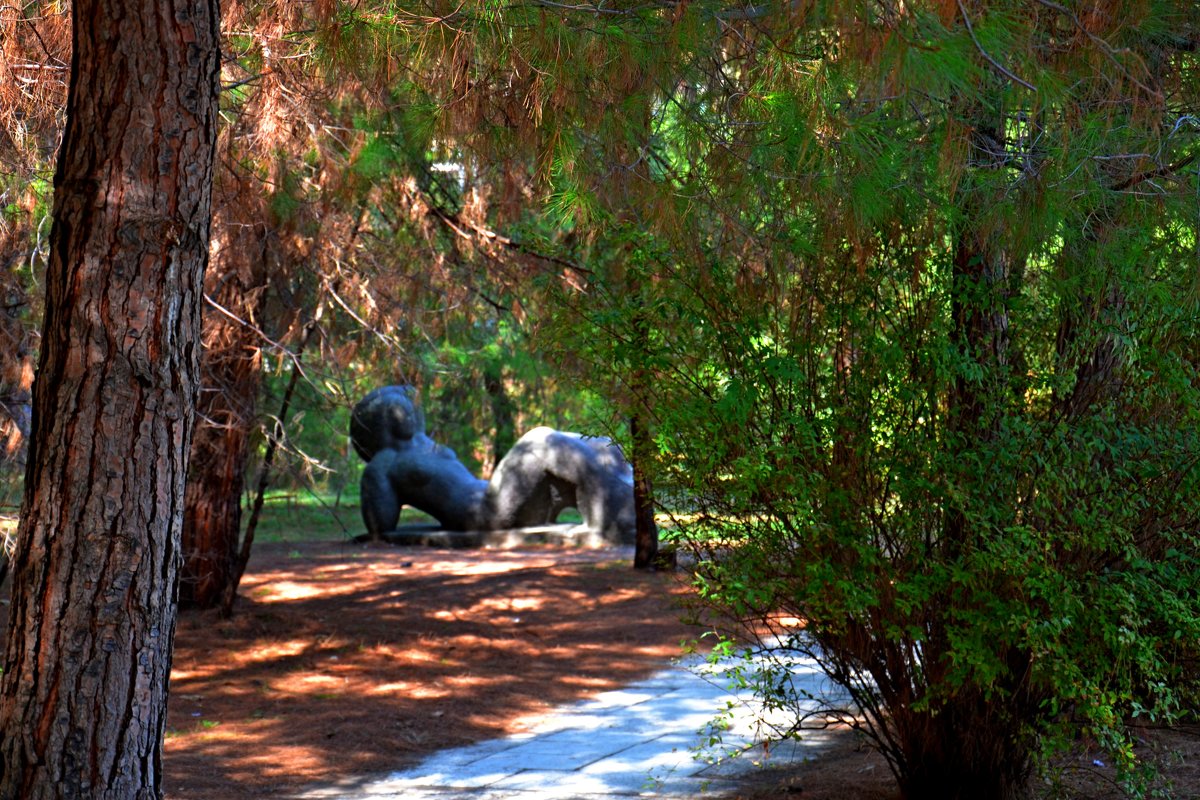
(972, 746)
(88, 654)
(212, 519)
(226, 414)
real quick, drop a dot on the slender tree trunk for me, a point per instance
(645, 549)
(502, 412)
(231, 374)
(88, 654)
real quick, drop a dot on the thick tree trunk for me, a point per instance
(971, 746)
(1088, 346)
(982, 274)
(982, 293)
(83, 695)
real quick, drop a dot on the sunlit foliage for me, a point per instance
(923, 286)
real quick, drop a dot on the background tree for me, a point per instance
(258, 243)
(231, 372)
(336, 190)
(579, 127)
(340, 200)
(34, 60)
(925, 283)
(85, 680)
(920, 427)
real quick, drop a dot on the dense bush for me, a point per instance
(925, 362)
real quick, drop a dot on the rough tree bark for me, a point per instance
(226, 414)
(227, 409)
(83, 695)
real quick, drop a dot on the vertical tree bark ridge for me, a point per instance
(88, 654)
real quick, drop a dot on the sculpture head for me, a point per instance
(386, 418)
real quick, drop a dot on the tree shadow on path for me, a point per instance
(347, 660)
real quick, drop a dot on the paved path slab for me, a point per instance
(644, 740)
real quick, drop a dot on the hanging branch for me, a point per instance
(999, 67)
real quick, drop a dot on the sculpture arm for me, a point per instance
(380, 504)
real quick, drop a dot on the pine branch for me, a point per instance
(237, 84)
(999, 67)
(1150, 175)
(1100, 42)
(470, 230)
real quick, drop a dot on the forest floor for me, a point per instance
(346, 660)
(343, 659)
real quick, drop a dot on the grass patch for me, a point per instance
(300, 515)
(571, 516)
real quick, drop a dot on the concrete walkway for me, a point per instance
(645, 740)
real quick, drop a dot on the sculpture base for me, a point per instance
(567, 534)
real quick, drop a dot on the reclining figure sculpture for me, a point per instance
(545, 472)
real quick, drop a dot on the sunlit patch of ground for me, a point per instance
(345, 660)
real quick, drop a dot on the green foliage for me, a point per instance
(314, 454)
(486, 385)
(916, 342)
(919, 341)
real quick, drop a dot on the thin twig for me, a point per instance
(1100, 42)
(249, 325)
(1150, 175)
(264, 475)
(236, 84)
(1000, 67)
(463, 228)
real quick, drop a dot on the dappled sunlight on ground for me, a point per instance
(346, 660)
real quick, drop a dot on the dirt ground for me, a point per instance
(344, 660)
(347, 660)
